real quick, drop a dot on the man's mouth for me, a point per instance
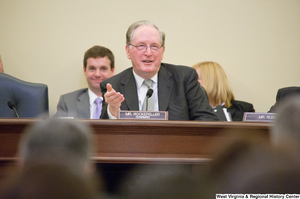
(98, 80)
(147, 61)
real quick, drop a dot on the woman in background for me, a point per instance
(214, 80)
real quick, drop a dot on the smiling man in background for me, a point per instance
(98, 65)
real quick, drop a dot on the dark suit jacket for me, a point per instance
(179, 93)
(75, 104)
(283, 93)
(238, 108)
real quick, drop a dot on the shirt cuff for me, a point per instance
(110, 116)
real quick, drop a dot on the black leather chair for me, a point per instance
(30, 99)
(283, 93)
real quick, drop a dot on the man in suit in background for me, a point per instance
(176, 88)
(98, 65)
(282, 93)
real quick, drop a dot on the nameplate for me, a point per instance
(259, 117)
(143, 115)
(65, 117)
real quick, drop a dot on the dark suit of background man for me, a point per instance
(98, 65)
(176, 88)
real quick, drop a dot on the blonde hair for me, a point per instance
(215, 83)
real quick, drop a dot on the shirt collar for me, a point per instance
(139, 80)
(92, 96)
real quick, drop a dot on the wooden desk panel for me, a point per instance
(164, 141)
(137, 141)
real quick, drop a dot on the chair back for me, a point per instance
(30, 99)
(283, 93)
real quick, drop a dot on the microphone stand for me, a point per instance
(147, 103)
(12, 106)
(16, 111)
(149, 94)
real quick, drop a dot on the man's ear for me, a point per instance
(163, 51)
(127, 48)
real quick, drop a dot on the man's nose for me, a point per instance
(148, 51)
(97, 73)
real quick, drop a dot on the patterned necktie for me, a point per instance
(98, 108)
(148, 83)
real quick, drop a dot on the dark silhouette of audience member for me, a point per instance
(214, 80)
(286, 127)
(61, 142)
(282, 93)
(47, 181)
(251, 165)
(162, 182)
(67, 141)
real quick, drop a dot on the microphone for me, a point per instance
(148, 95)
(12, 106)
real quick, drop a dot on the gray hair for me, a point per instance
(62, 140)
(287, 122)
(135, 25)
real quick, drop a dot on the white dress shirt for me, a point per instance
(142, 91)
(92, 96)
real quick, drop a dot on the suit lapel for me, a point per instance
(129, 90)
(83, 105)
(165, 85)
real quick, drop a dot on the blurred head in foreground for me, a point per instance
(251, 166)
(286, 127)
(62, 143)
(162, 181)
(47, 181)
(66, 142)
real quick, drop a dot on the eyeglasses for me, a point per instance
(143, 47)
